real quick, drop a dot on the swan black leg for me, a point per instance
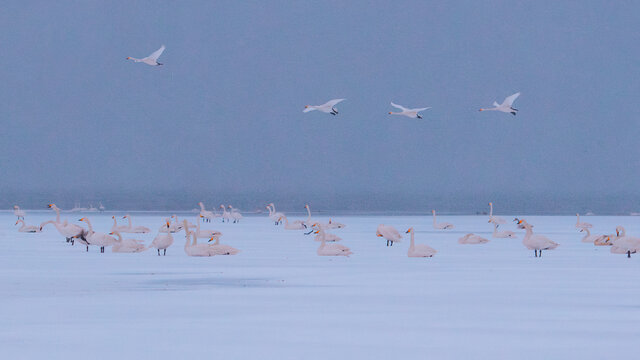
(391, 242)
(540, 252)
(158, 252)
(87, 248)
(165, 252)
(629, 253)
(387, 242)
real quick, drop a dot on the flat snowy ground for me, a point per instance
(278, 299)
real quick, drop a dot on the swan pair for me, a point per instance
(194, 249)
(332, 249)
(232, 214)
(206, 215)
(273, 215)
(533, 241)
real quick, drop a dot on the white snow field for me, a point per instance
(278, 300)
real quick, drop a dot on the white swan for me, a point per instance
(222, 249)
(535, 242)
(151, 59)
(623, 244)
(419, 250)
(97, 238)
(131, 229)
(19, 213)
(28, 228)
(388, 232)
(588, 238)
(582, 225)
(195, 249)
(174, 227)
(472, 239)
(328, 107)
(116, 227)
(226, 217)
(412, 113)
(296, 225)
(164, 239)
(332, 249)
(334, 225)
(503, 234)
(69, 231)
(440, 226)
(127, 245)
(308, 222)
(273, 215)
(235, 214)
(203, 233)
(506, 106)
(495, 219)
(328, 237)
(206, 215)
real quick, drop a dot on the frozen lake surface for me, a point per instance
(278, 299)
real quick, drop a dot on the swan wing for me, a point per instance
(421, 109)
(156, 54)
(332, 103)
(399, 107)
(510, 99)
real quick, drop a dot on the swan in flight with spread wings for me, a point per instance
(151, 59)
(328, 107)
(506, 106)
(412, 113)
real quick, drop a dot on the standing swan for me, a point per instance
(535, 242)
(419, 250)
(235, 214)
(19, 213)
(28, 228)
(162, 241)
(97, 238)
(226, 217)
(69, 231)
(206, 215)
(440, 226)
(388, 232)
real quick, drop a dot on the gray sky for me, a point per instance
(222, 119)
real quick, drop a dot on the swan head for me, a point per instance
(306, 106)
(419, 116)
(17, 222)
(409, 231)
(126, 216)
(50, 206)
(83, 219)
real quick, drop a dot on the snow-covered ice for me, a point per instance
(278, 299)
